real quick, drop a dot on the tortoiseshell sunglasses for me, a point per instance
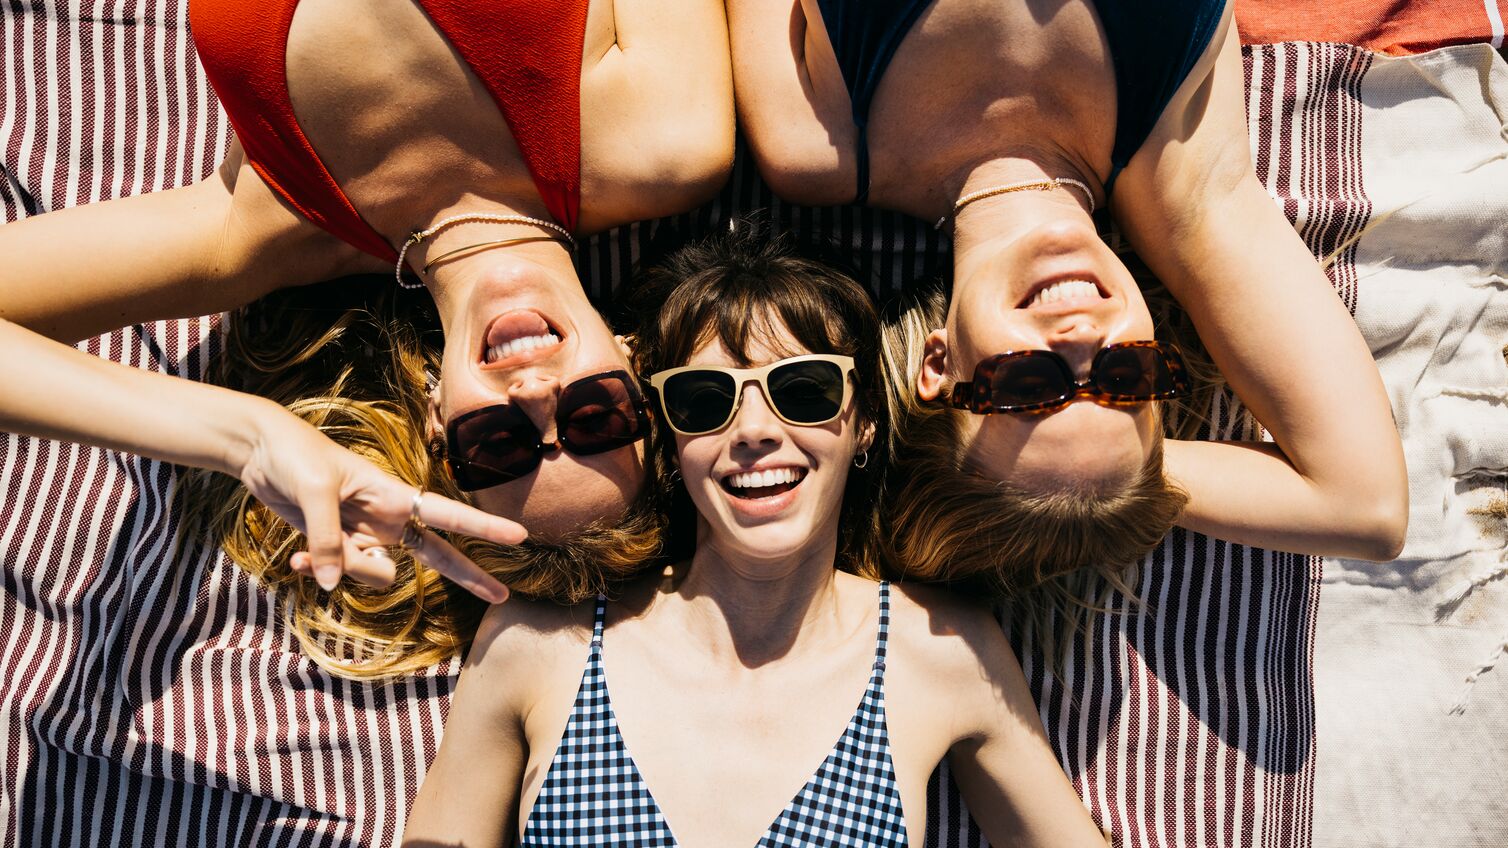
(1025, 381)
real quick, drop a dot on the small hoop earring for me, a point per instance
(862, 459)
(674, 475)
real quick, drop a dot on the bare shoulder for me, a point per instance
(953, 636)
(523, 644)
(1198, 148)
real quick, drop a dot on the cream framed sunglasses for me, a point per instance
(802, 390)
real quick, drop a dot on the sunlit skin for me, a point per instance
(981, 95)
(756, 651)
(772, 543)
(566, 491)
(1036, 239)
(412, 137)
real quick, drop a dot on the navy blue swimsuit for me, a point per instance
(594, 795)
(1154, 44)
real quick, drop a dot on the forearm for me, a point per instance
(1334, 483)
(1249, 493)
(53, 391)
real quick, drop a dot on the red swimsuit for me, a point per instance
(526, 52)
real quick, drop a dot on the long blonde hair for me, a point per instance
(352, 357)
(1052, 556)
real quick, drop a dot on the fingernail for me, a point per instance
(328, 578)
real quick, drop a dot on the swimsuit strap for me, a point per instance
(884, 630)
(1153, 48)
(598, 619)
(865, 35)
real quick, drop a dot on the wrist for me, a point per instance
(245, 426)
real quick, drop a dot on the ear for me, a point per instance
(866, 436)
(933, 375)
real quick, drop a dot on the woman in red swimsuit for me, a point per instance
(500, 131)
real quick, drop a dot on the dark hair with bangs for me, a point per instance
(739, 285)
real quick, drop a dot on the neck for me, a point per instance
(760, 611)
(983, 225)
(453, 282)
(474, 222)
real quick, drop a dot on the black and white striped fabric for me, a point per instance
(594, 795)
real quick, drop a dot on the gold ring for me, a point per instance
(415, 528)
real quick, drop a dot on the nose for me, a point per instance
(1077, 338)
(755, 424)
(537, 397)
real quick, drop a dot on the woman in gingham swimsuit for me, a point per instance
(713, 693)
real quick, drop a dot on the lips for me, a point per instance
(1061, 293)
(517, 337)
(759, 484)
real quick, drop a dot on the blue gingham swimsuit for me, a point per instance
(594, 794)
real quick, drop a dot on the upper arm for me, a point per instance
(470, 793)
(1191, 205)
(1002, 761)
(657, 130)
(203, 248)
(792, 104)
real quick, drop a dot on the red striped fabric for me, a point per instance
(152, 697)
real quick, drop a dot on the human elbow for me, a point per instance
(1379, 530)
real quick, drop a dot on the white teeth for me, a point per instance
(761, 479)
(516, 346)
(1065, 290)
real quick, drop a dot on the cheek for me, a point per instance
(459, 389)
(694, 456)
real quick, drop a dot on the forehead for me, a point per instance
(768, 340)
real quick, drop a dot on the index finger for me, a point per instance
(443, 513)
(438, 554)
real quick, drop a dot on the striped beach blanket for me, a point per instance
(151, 696)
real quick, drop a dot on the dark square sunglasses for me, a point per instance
(1043, 381)
(497, 444)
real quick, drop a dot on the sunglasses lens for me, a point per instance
(492, 446)
(698, 401)
(1134, 373)
(809, 392)
(1029, 379)
(598, 415)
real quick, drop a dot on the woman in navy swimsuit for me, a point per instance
(1030, 438)
(712, 694)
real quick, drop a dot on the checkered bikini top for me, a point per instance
(594, 794)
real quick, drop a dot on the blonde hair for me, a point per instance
(1050, 555)
(359, 374)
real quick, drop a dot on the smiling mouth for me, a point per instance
(1062, 292)
(754, 485)
(518, 336)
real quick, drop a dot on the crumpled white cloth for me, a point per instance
(1412, 723)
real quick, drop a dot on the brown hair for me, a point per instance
(351, 358)
(1038, 551)
(733, 286)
